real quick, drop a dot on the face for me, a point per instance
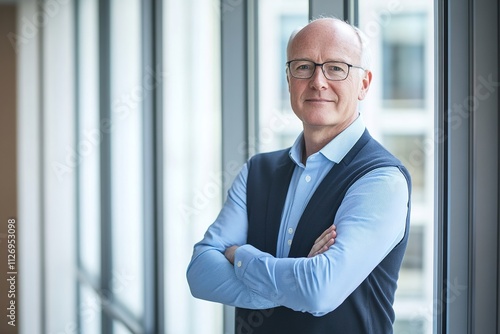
(320, 103)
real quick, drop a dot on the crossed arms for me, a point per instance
(369, 223)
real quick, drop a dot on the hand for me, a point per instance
(324, 241)
(229, 253)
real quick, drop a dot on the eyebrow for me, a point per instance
(327, 61)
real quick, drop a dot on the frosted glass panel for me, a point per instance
(192, 142)
(126, 157)
(88, 144)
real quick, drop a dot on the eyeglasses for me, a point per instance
(333, 70)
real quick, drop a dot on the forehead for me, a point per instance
(324, 40)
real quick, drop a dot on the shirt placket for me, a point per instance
(303, 192)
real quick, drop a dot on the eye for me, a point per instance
(334, 68)
(303, 67)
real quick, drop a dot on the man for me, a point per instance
(311, 239)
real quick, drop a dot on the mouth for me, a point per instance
(319, 100)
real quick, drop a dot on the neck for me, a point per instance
(315, 138)
(314, 142)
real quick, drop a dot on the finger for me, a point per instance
(326, 232)
(327, 235)
(323, 243)
(324, 248)
(323, 239)
(314, 250)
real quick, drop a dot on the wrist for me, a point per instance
(229, 253)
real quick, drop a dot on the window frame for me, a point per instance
(467, 190)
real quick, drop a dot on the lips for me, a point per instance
(319, 100)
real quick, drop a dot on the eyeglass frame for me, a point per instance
(322, 68)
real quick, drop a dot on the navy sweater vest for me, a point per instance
(369, 308)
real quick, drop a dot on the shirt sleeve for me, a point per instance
(209, 274)
(371, 221)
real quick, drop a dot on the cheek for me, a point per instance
(349, 92)
(295, 91)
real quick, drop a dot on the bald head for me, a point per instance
(330, 33)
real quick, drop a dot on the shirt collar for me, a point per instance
(337, 148)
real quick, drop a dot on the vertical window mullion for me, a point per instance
(441, 166)
(318, 8)
(159, 158)
(458, 170)
(235, 148)
(76, 25)
(148, 166)
(452, 306)
(484, 166)
(105, 154)
(153, 157)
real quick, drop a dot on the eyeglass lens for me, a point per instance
(304, 69)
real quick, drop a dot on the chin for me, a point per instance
(320, 119)
(320, 122)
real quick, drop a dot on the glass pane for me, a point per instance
(89, 311)
(126, 154)
(399, 113)
(192, 153)
(89, 140)
(407, 147)
(403, 60)
(278, 125)
(416, 326)
(119, 328)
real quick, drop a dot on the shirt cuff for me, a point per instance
(243, 256)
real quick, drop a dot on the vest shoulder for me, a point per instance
(373, 150)
(368, 154)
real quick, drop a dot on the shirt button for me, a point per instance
(308, 178)
(289, 242)
(290, 230)
(238, 264)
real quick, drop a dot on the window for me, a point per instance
(409, 148)
(398, 112)
(111, 93)
(278, 125)
(88, 175)
(413, 327)
(411, 282)
(89, 140)
(127, 93)
(89, 311)
(193, 180)
(403, 60)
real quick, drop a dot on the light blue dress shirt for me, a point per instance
(370, 223)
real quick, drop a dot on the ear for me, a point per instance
(288, 79)
(365, 85)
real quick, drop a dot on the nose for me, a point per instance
(318, 80)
